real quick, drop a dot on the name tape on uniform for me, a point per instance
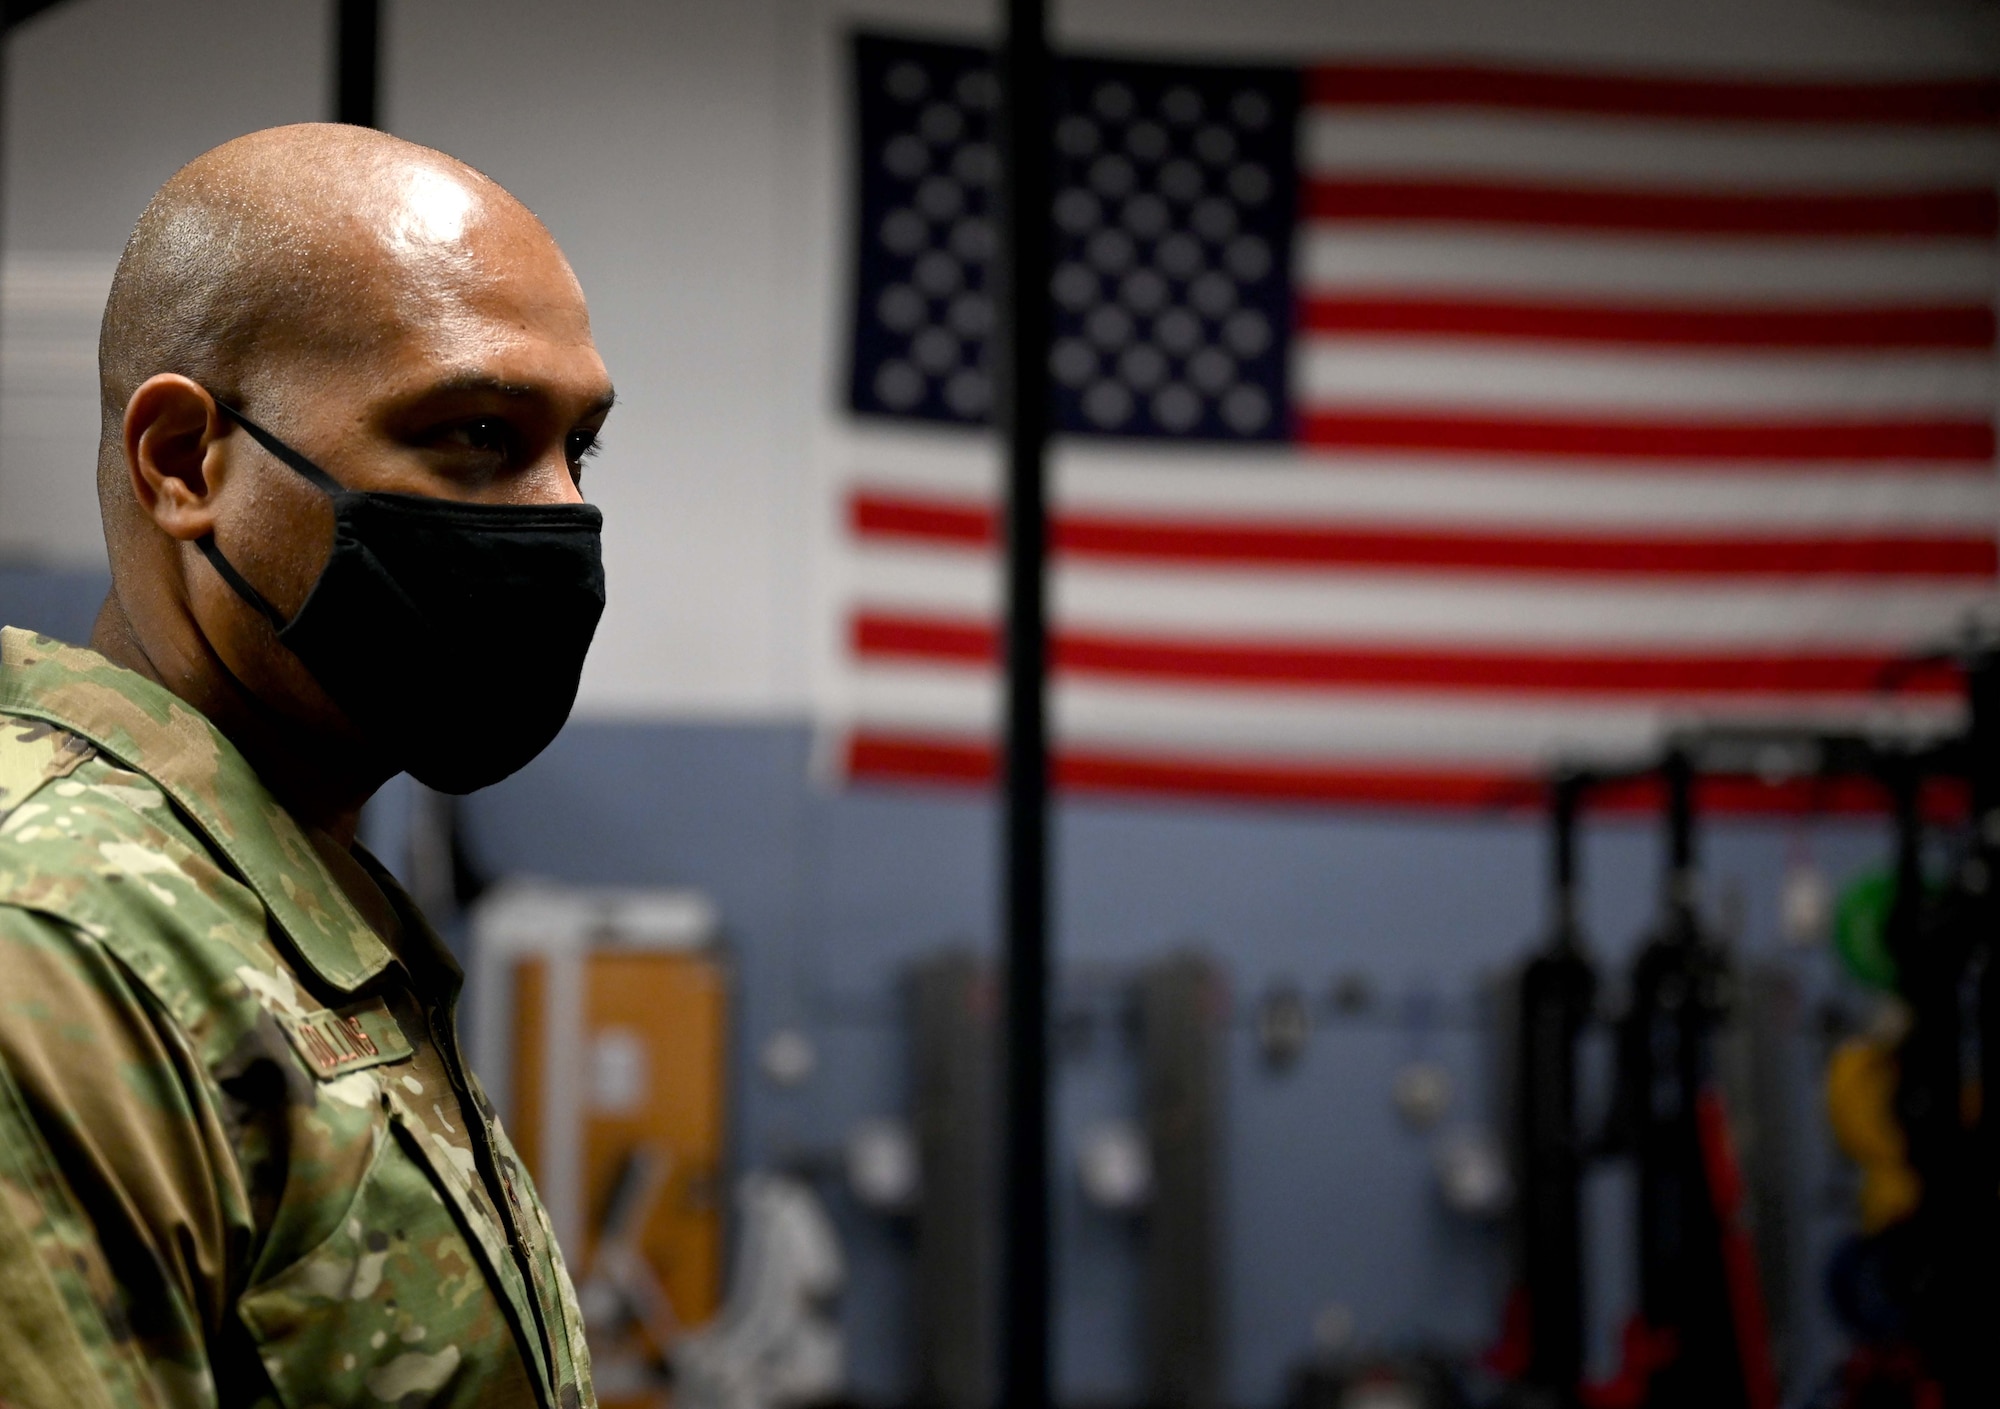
(335, 1041)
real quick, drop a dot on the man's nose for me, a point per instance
(550, 481)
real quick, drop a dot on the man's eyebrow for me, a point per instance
(481, 384)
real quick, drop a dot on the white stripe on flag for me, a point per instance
(1199, 484)
(1626, 269)
(1252, 723)
(1418, 610)
(1359, 372)
(1717, 156)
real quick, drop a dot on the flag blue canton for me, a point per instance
(1173, 222)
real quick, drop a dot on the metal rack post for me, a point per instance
(1023, 343)
(357, 62)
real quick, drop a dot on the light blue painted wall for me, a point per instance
(61, 602)
(827, 894)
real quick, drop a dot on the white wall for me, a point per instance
(688, 156)
(104, 100)
(652, 139)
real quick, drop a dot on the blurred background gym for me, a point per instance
(1523, 505)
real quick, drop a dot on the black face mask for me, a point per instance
(452, 635)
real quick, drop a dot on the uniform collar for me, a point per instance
(152, 731)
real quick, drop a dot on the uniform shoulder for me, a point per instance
(79, 816)
(103, 851)
(33, 754)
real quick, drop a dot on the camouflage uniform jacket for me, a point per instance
(241, 1162)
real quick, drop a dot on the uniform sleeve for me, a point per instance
(116, 1197)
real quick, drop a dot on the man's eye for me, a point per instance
(488, 435)
(579, 447)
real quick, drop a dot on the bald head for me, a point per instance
(389, 313)
(271, 257)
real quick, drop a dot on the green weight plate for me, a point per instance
(1861, 928)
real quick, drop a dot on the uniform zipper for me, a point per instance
(503, 1205)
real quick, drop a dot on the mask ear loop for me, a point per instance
(206, 543)
(282, 451)
(237, 580)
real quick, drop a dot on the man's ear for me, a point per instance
(172, 457)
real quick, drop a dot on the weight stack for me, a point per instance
(953, 1005)
(1183, 1008)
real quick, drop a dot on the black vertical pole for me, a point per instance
(1566, 804)
(1024, 322)
(1558, 988)
(1662, 1073)
(1677, 775)
(357, 45)
(1975, 1377)
(1933, 940)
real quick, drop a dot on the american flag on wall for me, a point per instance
(1423, 424)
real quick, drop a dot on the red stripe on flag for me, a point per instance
(1970, 327)
(1967, 212)
(1973, 102)
(881, 757)
(937, 521)
(946, 523)
(1940, 441)
(1354, 666)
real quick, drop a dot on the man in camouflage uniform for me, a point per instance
(241, 1160)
